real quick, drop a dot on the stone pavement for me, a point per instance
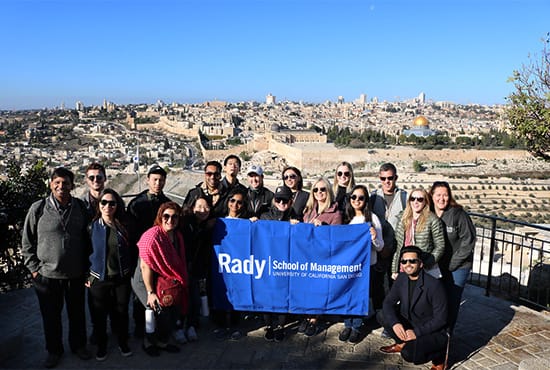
(491, 334)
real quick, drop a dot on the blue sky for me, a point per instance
(132, 51)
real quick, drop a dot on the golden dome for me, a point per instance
(420, 121)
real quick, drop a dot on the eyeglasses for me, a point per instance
(167, 216)
(110, 203)
(418, 199)
(283, 201)
(389, 178)
(412, 261)
(292, 177)
(233, 200)
(209, 174)
(360, 198)
(346, 173)
(93, 178)
(321, 190)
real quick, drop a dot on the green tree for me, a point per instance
(417, 166)
(17, 193)
(529, 111)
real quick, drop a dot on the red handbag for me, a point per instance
(169, 291)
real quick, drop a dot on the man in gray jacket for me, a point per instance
(387, 203)
(55, 246)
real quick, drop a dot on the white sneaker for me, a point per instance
(192, 334)
(179, 336)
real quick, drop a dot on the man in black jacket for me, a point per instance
(143, 211)
(415, 313)
(259, 196)
(211, 189)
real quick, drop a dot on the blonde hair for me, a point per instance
(351, 183)
(312, 203)
(407, 217)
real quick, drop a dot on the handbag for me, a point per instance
(169, 291)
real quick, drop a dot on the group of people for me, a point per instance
(160, 253)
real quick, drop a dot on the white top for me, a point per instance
(378, 243)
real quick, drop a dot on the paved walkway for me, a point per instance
(491, 334)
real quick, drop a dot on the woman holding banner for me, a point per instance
(281, 210)
(321, 209)
(292, 177)
(358, 212)
(224, 315)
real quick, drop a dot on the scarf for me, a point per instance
(157, 251)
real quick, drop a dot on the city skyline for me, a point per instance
(60, 51)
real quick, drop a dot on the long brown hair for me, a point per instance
(443, 184)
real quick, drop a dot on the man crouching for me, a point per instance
(415, 313)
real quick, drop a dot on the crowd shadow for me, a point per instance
(480, 319)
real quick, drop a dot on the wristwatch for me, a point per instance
(150, 292)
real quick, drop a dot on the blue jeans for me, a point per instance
(460, 276)
(454, 285)
(353, 322)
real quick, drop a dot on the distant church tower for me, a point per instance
(270, 99)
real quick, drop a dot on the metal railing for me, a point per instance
(512, 259)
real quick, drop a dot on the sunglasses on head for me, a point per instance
(358, 197)
(346, 173)
(291, 176)
(283, 201)
(412, 261)
(93, 178)
(110, 203)
(390, 178)
(167, 216)
(418, 199)
(233, 200)
(321, 190)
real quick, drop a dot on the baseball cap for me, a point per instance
(255, 169)
(283, 192)
(156, 169)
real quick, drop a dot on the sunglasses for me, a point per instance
(358, 197)
(346, 174)
(93, 178)
(283, 201)
(418, 199)
(292, 177)
(210, 174)
(111, 203)
(321, 190)
(412, 261)
(167, 217)
(390, 178)
(233, 200)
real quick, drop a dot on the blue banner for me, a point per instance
(273, 266)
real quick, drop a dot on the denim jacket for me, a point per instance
(98, 234)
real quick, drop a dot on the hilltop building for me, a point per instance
(420, 128)
(270, 99)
